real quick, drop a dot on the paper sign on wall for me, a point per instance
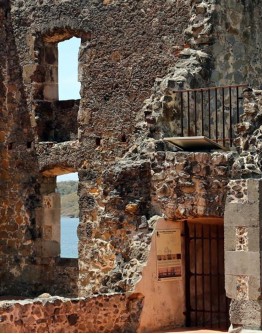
(168, 249)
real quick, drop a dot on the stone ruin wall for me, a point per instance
(111, 73)
(222, 47)
(101, 314)
(237, 43)
(18, 170)
(190, 185)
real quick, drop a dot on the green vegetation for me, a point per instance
(69, 198)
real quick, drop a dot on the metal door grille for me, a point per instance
(206, 302)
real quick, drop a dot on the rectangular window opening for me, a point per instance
(68, 84)
(67, 186)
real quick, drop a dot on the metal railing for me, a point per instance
(210, 112)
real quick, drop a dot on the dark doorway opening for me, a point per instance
(206, 301)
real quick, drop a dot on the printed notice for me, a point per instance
(168, 248)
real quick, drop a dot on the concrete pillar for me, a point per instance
(243, 225)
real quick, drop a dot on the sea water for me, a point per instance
(69, 240)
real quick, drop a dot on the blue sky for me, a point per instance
(67, 177)
(69, 86)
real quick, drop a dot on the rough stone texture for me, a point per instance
(248, 141)
(237, 191)
(108, 313)
(124, 47)
(238, 43)
(114, 234)
(222, 47)
(190, 185)
(19, 196)
(57, 121)
(247, 312)
(192, 70)
(242, 239)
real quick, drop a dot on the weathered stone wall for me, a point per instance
(237, 44)
(222, 47)
(124, 47)
(19, 195)
(190, 185)
(118, 216)
(248, 141)
(192, 70)
(57, 121)
(114, 235)
(101, 314)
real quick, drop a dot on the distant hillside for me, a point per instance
(69, 198)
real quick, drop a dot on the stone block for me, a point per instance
(51, 217)
(51, 92)
(254, 235)
(254, 190)
(242, 263)
(56, 232)
(51, 201)
(47, 232)
(254, 287)
(28, 71)
(37, 249)
(52, 75)
(235, 284)
(230, 286)
(242, 214)
(230, 238)
(50, 248)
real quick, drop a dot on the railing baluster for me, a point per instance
(209, 114)
(223, 116)
(216, 115)
(202, 112)
(182, 114)
(237, 105)
(230, 117)
(195, 105)
(188, 114)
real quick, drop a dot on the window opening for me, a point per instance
(67, 186)
(98, 141)
(69, 86)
